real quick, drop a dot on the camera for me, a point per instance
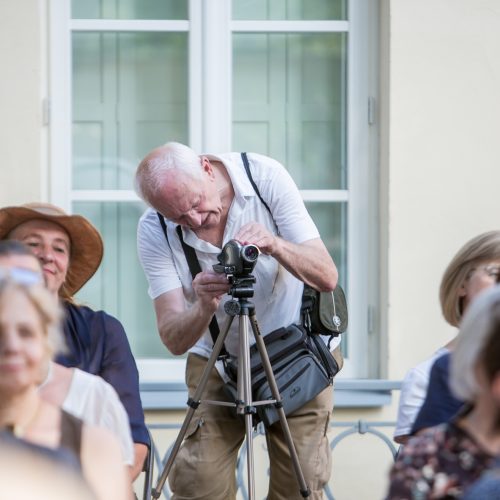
(237, 259)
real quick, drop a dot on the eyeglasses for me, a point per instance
(21, 276)
(491, 270)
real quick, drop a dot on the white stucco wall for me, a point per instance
(444, 157)
(23, 136)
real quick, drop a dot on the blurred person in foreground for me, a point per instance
(474, 268)
(443, 461)
(29, 335)
(82, 394)
(211, 199)
(70, 250)
(29, 472)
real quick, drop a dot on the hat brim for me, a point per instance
(86, 242)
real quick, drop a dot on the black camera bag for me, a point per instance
(324, 313)
(300, 371)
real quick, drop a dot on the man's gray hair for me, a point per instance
(151, 171)
(479, 323)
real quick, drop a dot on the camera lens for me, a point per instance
(250, 253)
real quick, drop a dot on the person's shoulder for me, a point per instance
(95, 387)
(419, 372)
(148, 215)
(443, 362)
(97, 316)
(266, 163)
(428, 440)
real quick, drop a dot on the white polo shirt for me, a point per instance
(277, 293)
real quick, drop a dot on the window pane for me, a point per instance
(120, 287)
(129, 95)
(129, 9)
(289, 101)
(331, 220)
(290, 9)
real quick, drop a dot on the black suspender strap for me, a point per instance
(194, 268)
(189, 252)
(163, 225)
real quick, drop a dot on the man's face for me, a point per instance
(190, 202)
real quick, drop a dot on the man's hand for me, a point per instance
(256, 234)
(181, 327)
(309, 261)
(209, 287)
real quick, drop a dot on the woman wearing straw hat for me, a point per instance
(70, 251)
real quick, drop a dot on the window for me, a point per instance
(287, 78)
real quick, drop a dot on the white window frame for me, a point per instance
(210, 30)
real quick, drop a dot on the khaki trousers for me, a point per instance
(204, 468)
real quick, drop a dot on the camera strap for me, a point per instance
(194, 268)
(314, 303)
(244, 157)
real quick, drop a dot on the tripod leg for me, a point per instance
(245, 398)
(304, 489)
(193, 404)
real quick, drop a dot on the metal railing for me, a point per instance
(358, 427)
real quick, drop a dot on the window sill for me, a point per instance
(349, 393)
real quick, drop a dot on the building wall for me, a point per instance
(439, 172)
(443, 158)
(23, 141)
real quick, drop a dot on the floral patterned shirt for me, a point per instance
(439, 463)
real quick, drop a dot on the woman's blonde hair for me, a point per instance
(481, 249)
(46, 306)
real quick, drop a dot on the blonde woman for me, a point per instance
(474, 268)
(29, 335)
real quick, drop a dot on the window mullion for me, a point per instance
(60, 104)
(217, 65)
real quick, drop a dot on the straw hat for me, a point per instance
(86, 242)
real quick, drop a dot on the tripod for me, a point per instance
(239, 306)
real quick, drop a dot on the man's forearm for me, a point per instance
(310, 262)
(181, 330)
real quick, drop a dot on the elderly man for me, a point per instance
(212, 199)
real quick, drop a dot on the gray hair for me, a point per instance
(480, 324)
(151, 171)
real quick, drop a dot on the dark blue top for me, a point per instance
(439, 405)
(97, 344)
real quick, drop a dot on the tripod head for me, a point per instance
(241, 289)
(241, 286)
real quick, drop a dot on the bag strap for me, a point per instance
(194, 268)
(309, 294)
(244, 157)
